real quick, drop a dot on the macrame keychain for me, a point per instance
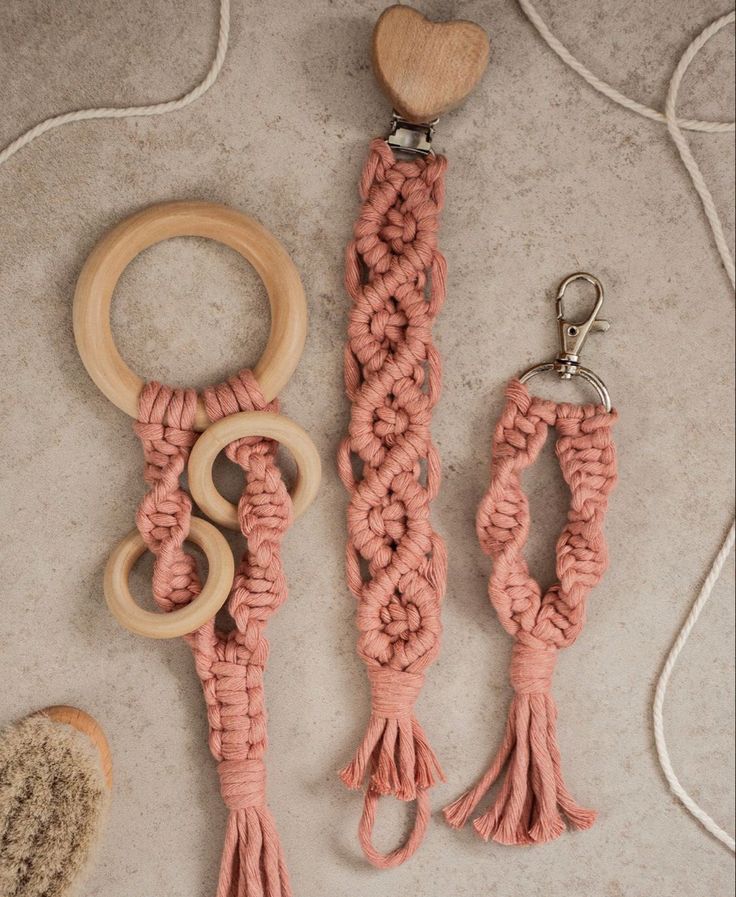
(533, 798)
(177, 428)
(395, 275)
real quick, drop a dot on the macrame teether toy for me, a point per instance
(395, 276)
(533, 798)
(245, 423)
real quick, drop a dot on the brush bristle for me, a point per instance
(52, 797)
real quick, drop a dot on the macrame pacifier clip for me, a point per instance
(395, 275)
(533, 798)
(239, 416)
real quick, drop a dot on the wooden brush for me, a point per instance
(55, 783)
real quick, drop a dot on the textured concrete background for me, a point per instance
(546, 177)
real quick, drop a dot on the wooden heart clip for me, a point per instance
(427, 68)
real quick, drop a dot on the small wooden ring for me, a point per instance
(178, 622)
(125, 241)
(237, 426)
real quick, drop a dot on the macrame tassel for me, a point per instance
(395, 752)
(533, 798)
(252, 860)
(397, 758)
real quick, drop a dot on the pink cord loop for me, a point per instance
(533, 799)
(396, 563)
(230, 665)
(412, 843)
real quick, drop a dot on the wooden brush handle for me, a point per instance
(83, 722)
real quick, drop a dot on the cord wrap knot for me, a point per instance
(532, 667)
(243, 783)
(394, 692)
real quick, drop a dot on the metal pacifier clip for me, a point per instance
(573, 335)
(425, 69)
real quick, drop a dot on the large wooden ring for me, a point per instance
(178, 622)
(237, 426)
(126, 240)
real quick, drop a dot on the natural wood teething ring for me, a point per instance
(186, 619)
(124, 242)
(237, 426)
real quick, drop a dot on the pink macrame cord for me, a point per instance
(229, 665)
(532, 799)
(396, 563)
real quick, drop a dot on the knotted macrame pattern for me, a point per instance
(230, 665)
(533, 799)
(396, 563)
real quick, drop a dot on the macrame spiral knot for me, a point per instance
(394, 692)
(531, 668)
(243, 783)
(166, 429)
(533, 798)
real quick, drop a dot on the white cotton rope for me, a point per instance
(675, 127)
(689, 124)
(195, 93)
(664, 677)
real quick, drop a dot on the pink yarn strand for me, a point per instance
(396, 279)
(533, 798)
(403, 853)
(230, 665)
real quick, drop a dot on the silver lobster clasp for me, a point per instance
(573, 335)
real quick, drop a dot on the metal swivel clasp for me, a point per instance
(573, 335)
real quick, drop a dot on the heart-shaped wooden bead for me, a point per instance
(426, 68)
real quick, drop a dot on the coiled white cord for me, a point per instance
(195, 93)
(676, 127)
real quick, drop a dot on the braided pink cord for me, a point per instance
(533, 796)
(230, 665)
(396, 563)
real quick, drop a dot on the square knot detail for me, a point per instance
(242, 783)
(394, 692)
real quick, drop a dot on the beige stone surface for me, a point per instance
(545, 177)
